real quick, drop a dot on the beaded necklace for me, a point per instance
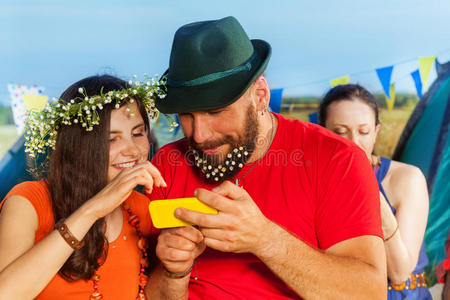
(133, 220)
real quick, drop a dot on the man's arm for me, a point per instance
(354, 268)
(177, 249)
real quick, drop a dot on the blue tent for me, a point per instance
(13, 167)
(425, 143)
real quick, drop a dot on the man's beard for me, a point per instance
(218, 169)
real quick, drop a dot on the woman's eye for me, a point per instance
(111, 140)
(340, 132)
(138, 134)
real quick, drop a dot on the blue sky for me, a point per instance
(55, 43)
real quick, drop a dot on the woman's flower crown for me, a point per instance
(42, 126)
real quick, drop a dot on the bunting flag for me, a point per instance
(390, 102)
(340, 81)
(35, 102)
(275, 100)
(425, 64)
(418, 82)
(18, 105)
(385, 74)
(314, 117)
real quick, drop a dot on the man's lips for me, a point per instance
(211, 150)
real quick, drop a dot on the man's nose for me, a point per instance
(201, 130)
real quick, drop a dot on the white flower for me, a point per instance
(86, 107)
(130, 82)
(117, 105)
(75, 121)
(86, 98)
(134, 92)
(80, 90)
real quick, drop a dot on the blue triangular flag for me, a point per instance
(384, 74)
(418, 82)
(314, 118)
(275, 100)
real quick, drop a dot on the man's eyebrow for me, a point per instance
(119, 131)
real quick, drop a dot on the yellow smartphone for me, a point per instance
(162, 211)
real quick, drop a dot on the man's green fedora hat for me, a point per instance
(212, 64)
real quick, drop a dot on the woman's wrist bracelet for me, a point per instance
(389, 237)
(177, 275)
(62, 228)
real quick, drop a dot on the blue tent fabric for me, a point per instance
(425, 143)
(12, 167)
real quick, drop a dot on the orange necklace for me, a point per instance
(133, 220)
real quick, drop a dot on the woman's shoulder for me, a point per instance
(404, 182)
(33, 191)
(402, 173)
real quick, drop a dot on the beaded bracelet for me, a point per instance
(177, 275)
(389, 237)
(68, 236)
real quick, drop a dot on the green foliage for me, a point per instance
(301, 100)
(401, 100)
(6, 116)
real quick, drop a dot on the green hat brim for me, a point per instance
(216, 94)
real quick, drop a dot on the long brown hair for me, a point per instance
(78, 170)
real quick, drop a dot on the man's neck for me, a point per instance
(268, 124)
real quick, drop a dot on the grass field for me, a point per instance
(392, 124)
(8, 136)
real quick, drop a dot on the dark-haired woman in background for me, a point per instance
(97, 249)
(351, 112)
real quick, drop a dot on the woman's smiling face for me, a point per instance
(128, 141)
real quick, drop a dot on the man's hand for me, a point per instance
(238, 227)
(178, 247)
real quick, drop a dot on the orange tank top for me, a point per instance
(119, 275)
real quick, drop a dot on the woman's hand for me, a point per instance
(388, 221)
(120, 188)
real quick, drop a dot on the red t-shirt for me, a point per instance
(315, 184)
